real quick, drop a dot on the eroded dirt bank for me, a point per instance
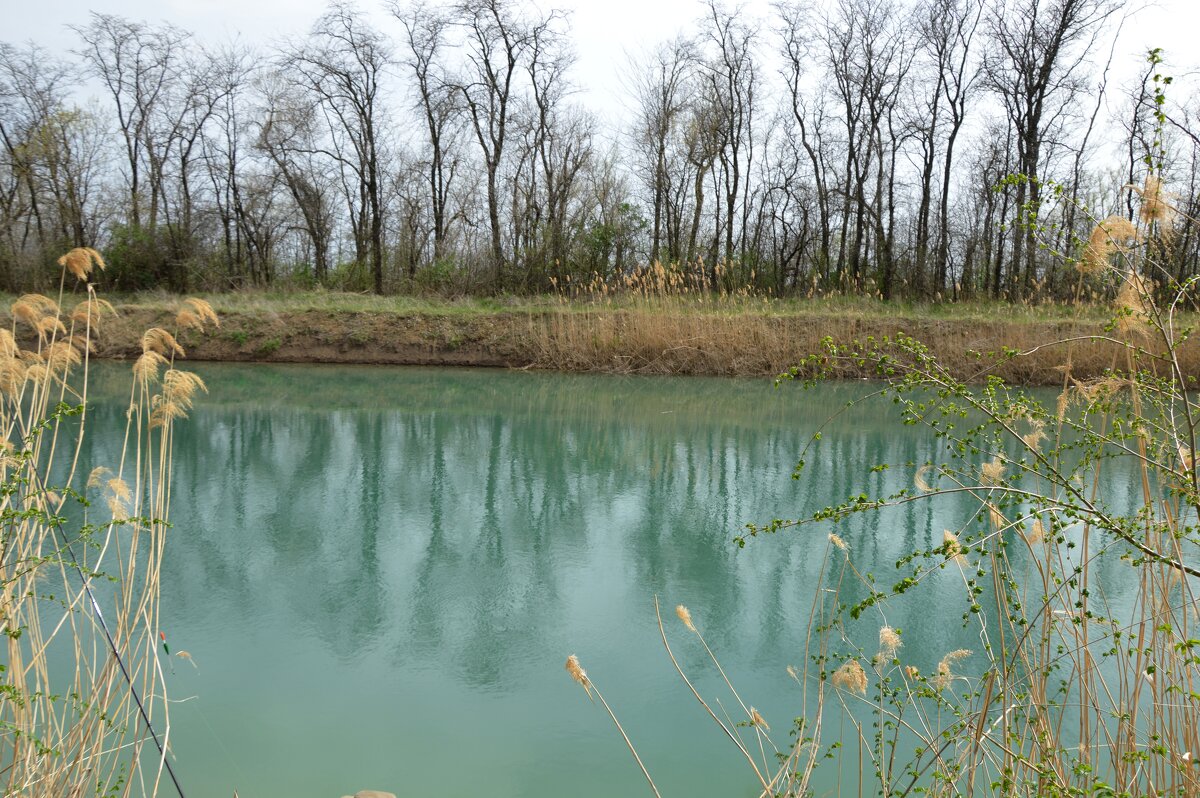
(616, 341)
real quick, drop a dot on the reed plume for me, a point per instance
(81, 261)
(579, 674)
(944, 676)
(146, 367)
(1114, 235)
(889, 642)
(1155, 203)
(686, 617)
(850, 677)
(156, 339)
(196, 313)
(993, 471)
(954, 550)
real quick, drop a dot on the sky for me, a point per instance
(605, 32)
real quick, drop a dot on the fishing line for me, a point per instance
(56, 523)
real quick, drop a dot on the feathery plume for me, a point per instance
(1064, 399)
(1111, 236)
(156, 339)
(186, 319)
(1134, 303)
(1037, 433)
(119, 488)
(757, 719)
(179, 386)
(686, 617)
(1036, 533)
(837, 541)
(202, 310)
(850, 677)
(995, 517)
(165, 411)
(579, 674)
(98, 473)
(90, 312)
(25, 313)
(919, 478)
(12, 375)
(118, 509)
(146, 367)
(1155, 206)
(889, 642)
(954, 549)
(944, 676)
(993, 471)
(50, 325)
(61, 355)
(44, 304)
(81, 261)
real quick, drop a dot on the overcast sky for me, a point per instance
(604, 32)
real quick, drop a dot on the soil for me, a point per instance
(620, 342)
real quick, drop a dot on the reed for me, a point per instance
(81, 685)
(1071, 691)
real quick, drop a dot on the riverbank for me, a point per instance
(728, 337)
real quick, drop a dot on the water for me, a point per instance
(379, 573)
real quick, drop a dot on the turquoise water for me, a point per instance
(379, 573)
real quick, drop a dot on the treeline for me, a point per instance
(851, 146)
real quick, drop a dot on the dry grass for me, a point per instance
(658, 320)
(76, 718)
(671, 336)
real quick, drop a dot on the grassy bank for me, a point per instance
(734, 336)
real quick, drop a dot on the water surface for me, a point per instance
(379, 572)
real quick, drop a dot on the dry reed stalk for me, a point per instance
(580, 676)
(69, 723)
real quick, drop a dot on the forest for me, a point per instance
(892, 148)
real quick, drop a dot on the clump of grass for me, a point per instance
(82, 701)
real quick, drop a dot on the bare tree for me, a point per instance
(496, 42)
(946, 30)
(289, 137)
(426, 41)
(341, 65)
(138, 65)
(562, 139)
(50, 162)
(731, 77)
(1039, 51)
(660, 85)
(798, 49)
